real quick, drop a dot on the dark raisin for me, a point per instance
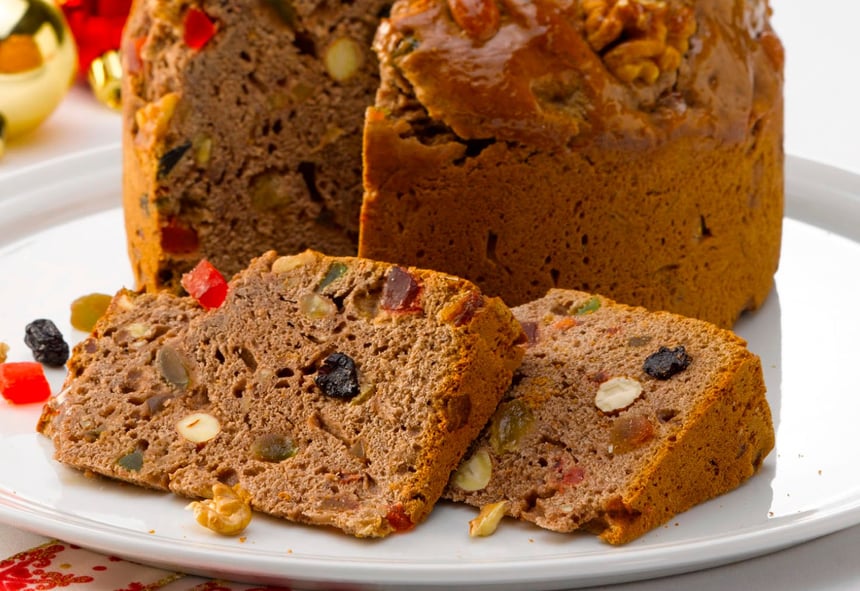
(171, 158)
(666, 362)
(337, 376)
(47, 343)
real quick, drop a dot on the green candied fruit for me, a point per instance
(335, 272)
(171, 367)
(273, 447)
(592, 305)
(512, 421)
(132, 461)
(87, 309)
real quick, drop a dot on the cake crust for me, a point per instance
(534, 163)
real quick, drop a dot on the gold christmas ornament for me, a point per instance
(38, 63)
(105, 78)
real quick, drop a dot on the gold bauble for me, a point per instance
(38, 63)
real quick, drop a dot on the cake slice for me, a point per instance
(242, 129)
(618, 419)
(335, 391)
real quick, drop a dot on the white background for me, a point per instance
(822, 123)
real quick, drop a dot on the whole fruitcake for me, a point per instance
(242, 125)
(625, 147)
(335, 391)
(618, 419)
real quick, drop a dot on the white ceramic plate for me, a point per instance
(61, 236)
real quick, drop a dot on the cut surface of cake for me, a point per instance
(627, 148)
(618, 419)
(242, 125)
(335, 391)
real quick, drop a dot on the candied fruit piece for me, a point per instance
(178, 239)
(666, 362)
(205, 284)
(23, 382)
(4, 349)
(87, 309)
(400, 292)
(338, 376)
(463, 310)
(317, 306)
(46, 342)
(335, 272)
(511, 422)
(199, 28)
(398, 519)
(171, 367)
(630, 432)
(132, 461)
(591, 305)
(273, 447)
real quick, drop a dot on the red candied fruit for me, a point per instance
(177, 239)
(24, 382)
(400, 292)
(199, 28)
(205, 284)
(398, 519)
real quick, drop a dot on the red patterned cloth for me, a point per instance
(57, 565)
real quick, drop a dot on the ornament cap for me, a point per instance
(105, 78)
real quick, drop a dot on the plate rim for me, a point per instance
(829, 207)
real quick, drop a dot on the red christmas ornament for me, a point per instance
(96, 26)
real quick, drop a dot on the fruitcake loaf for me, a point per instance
(335, 391)
(621, 147)
(618, 419)
(242, 125)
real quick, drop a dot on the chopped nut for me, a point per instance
(638, 39)
(288, 263)
(617, 393)
(474, 474)
(152, 120)
(124, 302)
(198, 427)
(202, 146)
(480, 19)
(228, 512)
(488, 519)
(139, 330)
(343, 58)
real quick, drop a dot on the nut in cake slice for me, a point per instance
(335, 391)
(618, 419)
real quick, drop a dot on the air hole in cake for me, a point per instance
(248, 358)
(704, 231)
(554, 274)
(492, 241)
(244, 56)
(305, 44)
(228, 476)
(473, 150)
(239, 388)
(219, 356)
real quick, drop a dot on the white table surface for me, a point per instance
(822, 123)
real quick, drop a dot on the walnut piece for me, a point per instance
(228, 512)
(638, 39)
(488, 519)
